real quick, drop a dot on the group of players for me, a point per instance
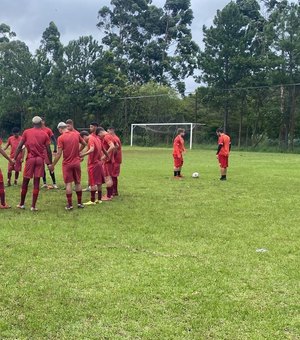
(223, 151)
(102, 148)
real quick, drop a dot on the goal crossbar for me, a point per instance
(191, 125)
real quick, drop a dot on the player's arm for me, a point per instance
(19, 148)
(23, 153)
(82, 143)
(110, 149)
(106, 155)
(229, 146)
(4, 154)
(57, 156)
(6, 146)
(90, 150)
(49, 153)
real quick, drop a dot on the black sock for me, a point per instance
(44, 178)
(175, 173)
(179, 173)
(52, 174)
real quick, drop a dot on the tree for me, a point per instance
(150, 43)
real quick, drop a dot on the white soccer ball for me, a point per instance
(195, 175)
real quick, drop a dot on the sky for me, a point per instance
(74, 18)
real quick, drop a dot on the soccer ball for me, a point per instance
(195, 175)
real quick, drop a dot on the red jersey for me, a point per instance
(224, 140)
(75, 131)
(48, 131)
(13, 142)
(118, 151)
(178, 146)
(69, 143)
(95, 156)
(106, 140)
(35, 141)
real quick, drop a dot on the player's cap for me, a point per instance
(36, 120)
(61, 125)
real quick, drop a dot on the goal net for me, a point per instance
(162, 134)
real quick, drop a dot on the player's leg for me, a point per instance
(52, 175)
(37, 174)
(78, 188)
(9, 174)
(69, 205)
(44, 180)
(3, 204)
(35, 192)
(177, 167)
(115, 175)
(93, 186)
(16, 177)
(109, 188)
(99, 192)
(28, 174)
(18, 169)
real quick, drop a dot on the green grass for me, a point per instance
(165, 260)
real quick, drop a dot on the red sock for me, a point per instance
(36, 190)
(93, 196)
(2, 193)
(69, 199)
(99, 195)
(16, 175)
(109, 192)
(24, 190)
(9, 177)
(79, 197)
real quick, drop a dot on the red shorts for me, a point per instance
(107, 169)
(15, 167)
(178, 162)
(95, 173)
(1, 176)
(34, 167)
(223, 160)
(72, 173)
(116, 167)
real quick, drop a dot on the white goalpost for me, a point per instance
(144, 125)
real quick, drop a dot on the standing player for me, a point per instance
(224, 147)
(108, 147)
(35, 141)
(13, 142)
(95, 171)
(50, 134)
(3, 204)
(178, 150)
(68, 146)
(116, 167)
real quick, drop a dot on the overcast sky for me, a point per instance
(74, 18)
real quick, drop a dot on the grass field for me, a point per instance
(165, 260)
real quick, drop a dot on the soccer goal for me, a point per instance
(163, 132)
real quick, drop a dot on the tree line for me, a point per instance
(248, 71)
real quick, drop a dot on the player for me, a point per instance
(95, 171)
(35, 141)
(3, 204)
(68, 146)
(13, 142)
(178, 150)
(50, 134)
(224, 147)
(70, 126)
(116, 167)
(108, 147)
